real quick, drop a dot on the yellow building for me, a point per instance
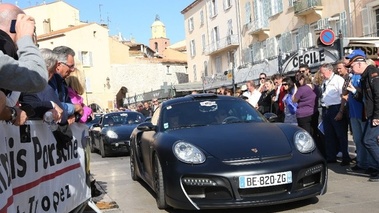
(110, 65)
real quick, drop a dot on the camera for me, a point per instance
(13, 26)
(77, 116)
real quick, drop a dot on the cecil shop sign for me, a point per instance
(313, 58)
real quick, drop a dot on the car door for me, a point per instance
(96, 132)
(146, 145)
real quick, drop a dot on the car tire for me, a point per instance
(102, 150)
(133, 172)
(93, 150)
(159, 184)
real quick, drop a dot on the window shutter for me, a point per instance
(257, 54)
(247, 13)
(90, 59)
(203, 42)
(290, 3)
(194, 73)
(343, 23)
(210, 9)
(215, 7)
(365, 22)
(80, 56)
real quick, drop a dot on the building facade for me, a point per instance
(275, 36)
(110, 65)
(213, 39)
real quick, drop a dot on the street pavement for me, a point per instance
(347, 192)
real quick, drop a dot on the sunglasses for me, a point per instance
(262, 78)
(285, 84)
(69, 66)
(301, 71)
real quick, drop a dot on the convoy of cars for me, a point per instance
(206, 151)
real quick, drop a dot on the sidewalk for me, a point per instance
(104, 203)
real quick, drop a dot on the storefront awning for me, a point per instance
(359, 41)
(190, 86)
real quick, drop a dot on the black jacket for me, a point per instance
(370, 91)
(8, 47)
(40, 102)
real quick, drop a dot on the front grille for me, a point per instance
(263, 191)
(256, 160)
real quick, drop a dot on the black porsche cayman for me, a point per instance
(209, 152)
(111, 134)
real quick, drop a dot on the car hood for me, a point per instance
(239, 141)
(122, 130)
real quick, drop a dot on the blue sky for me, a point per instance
(130, 17)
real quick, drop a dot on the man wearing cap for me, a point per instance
(370, 95)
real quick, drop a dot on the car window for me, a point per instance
(122, 118)
(213, 112)
(134, 118)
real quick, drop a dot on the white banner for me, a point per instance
(37, 177)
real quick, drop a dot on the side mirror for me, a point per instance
(271, 117)
(146, 126)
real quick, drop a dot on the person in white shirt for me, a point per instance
(252, 94)
(334, 121)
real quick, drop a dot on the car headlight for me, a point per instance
(112, 134)
(188, 153)
(304, 142)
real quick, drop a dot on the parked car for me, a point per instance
(111, 134)
(207, 151)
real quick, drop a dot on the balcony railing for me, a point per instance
(302, 6)
(258, 26)
(227, 42)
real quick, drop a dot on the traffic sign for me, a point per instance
(327, 37)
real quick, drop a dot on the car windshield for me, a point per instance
(96, 118)
(213, 112)
(122, 119)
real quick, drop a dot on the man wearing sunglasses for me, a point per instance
(65, 66)
(262, 80)
(303, 69)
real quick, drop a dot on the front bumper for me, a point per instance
(119, 146)
(216, 190)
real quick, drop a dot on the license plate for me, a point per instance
(265, 180)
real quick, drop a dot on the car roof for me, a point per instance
(194, 97)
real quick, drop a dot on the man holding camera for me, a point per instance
(22, 67)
